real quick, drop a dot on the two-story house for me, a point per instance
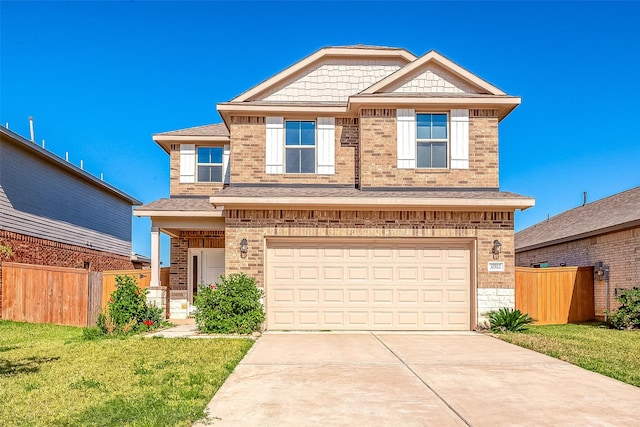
(56, 214)
(359, 187)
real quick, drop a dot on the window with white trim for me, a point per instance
(209, 164)
(432, 139)
(300, 146)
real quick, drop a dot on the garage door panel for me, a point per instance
(318, 285)
(380, 274)
(332, 273)
(382, 296)
(358, 296)
(333, 296)
(284, 296)
(283, 273)
(357, 273)
(309, 296)
(333, 318)
(407, 273)
(408, 296)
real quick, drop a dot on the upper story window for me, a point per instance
(209, 167)
(300, 146)
(432, 138)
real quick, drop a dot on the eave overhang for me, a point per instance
(373, 203)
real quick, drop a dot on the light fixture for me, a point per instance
(496, 249)
(244, 248)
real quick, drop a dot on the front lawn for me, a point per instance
(50, 376)
(610, 352)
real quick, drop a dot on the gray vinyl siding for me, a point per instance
(40, 198)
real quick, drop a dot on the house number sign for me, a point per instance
(495, 266)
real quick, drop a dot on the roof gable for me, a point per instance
(615, 212)
(433, 73)
(331, 74)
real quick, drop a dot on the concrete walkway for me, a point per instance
(413, 379)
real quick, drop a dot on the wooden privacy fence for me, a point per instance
(555, 295)
(44, 294)
(63, 296)
(143, 278)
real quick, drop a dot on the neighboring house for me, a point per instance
(607, 231)
(53, 213)
(359, 187)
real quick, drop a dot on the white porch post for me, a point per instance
(156, 289)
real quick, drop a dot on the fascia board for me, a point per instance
(374, 203)
(436, 58)
(324, 52)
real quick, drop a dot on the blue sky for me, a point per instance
(101, 77)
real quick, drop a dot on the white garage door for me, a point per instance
(372, 285)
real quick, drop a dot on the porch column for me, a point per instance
(156, 289)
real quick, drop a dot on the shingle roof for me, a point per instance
(264, 191)
(218, 129)
(197, 204)
(614, 212)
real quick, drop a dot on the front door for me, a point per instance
(204, 268)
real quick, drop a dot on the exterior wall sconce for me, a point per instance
(244, 248)
(496, 249)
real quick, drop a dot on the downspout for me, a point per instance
(606, 293)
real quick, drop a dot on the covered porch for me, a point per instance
(197, 254)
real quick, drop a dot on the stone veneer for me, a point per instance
(620, 250)
(490, 299)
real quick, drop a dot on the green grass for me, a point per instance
(610, 352)
(50, 376)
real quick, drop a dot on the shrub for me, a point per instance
(508, 319)
(628, 315)
(230, 306)
(127, 310)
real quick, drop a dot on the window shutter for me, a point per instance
(326, 146)
(459, 139)
(187, 163)
(406, 138)
(225, 164)
(275, 145)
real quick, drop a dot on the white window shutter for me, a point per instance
(459, 139)
(406, 138)
(187, 163)
(275, 145)
(326, 146)
(225, 164)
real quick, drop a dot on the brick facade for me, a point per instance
(620, 250)
(378, 154)
(480, 227)
(176, 188)
(248, 145)
(32, 250)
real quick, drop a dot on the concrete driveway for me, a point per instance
(306, 379)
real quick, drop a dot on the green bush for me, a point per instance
(508, 319)
(628, 315)
(127, 310)
(230, 306)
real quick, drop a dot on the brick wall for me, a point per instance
(176, 188)
(482, 227)
(32, 250)
(378, 154)
(248, 146)
(620, 250)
